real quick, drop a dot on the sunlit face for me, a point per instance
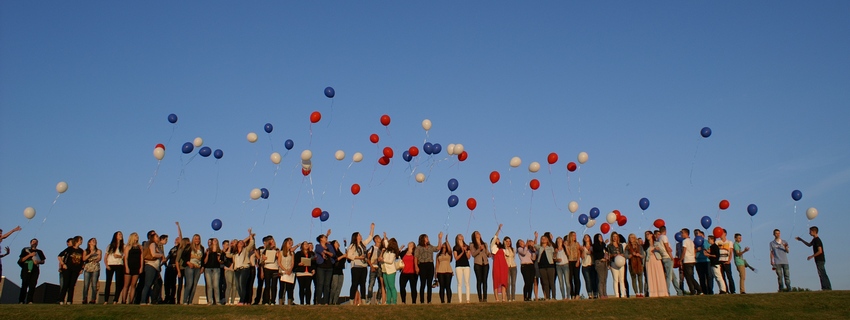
(572, 236)
(410, 245)
(427, 240)
(196, 240)
(93, 242)
(507, 242)
(226, 246)
(459, 238)
(120, 236)
(358, 238)
(520, 243)
(648, 236)
(776, 234)
(33, 243)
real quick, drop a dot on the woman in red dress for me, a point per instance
(500, 267)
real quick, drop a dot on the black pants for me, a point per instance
(270, 291)
(402, 283)
(28, 280)
(426, 277)
(626, 278)
(482, 271)
(137, 298)
(575, 279)
(180, 281)
(726, 271)
(547, 280)
(118, 272)
(527, 271)
(358, 279)
(693, 285)
(259, 294)
(286, 288)
(69, 281)
(304, 289)
(170, 284)
(702, 274)
(445, 280)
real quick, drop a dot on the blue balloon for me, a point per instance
(428, 148)
(706, 222)
(699, 241)
(289, 144)
(268, 127)
(324, 216)
(705, 132)
(752, 209)
(796, 195)
(330, 93)
(582, 218)
(188, 147)
(172, 118)
(436, 148)
(453, 200)
(406, 156)
(218, 154)
(594, 212)
(216, 224)
(452, 184)
(679, 237)
(205, 152)
(264, 193)
(643, 203)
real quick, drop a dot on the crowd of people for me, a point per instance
(548, 262)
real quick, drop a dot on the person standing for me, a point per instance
(424, 254)
(338, 276)
(726, 253)
(92, 256)
(375, 273)
(703, 264)
(357, 254)
(667, 260)
(212, 272)
(526, 268)
(286, 261)
(461, 256)
(4, 236)
(689, 262)
(170, 281)
(71, 264)
(779, 261)
(304, 272)
(444, 271)
(481, 255)
(388, 266)
(820, 259)
(562, 268)
(114, 261)
(408, 273)
(324, 269)
(510, 258)
(654, 268)
(635, 254)
(740, 263)
(588, 270)
(30, 259)
(713, 255)
(600, 262)
(546, 264)
(617, 272)
(153, 258)
(268, 259)
(500, 267)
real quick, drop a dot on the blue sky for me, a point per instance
(85, 89)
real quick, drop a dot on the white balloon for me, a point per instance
(306, 155)
(339, 155)
(458, 148)
(611, 218)
(29, 212)
(158, 153)
(515, 162)
(590, 223)
(812, 213)
(426, 124)
(582, 157)
(534, 167)
(357, 157)
(198, 142)
(275, 157)
(619, 261)
(256, 193)
(451, 149)
(307, 164)
(573, 206)
(61, 187)
(252, 137)
(420, 177)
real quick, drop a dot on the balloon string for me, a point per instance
(387, 176)
(312, 190)
(343, 177)
(513, 196)
(693, 162)
(555, 200)
(311, 144)
(296, 199)
(530, 207)
(173, 128)
(351, 215)
(256, 158)
(268, 204)
(270, 141)
(276, 169)
(794, 219)
(12, 242)
(155, 172)
(325, 187)
(493, 197)
(446, 223)
(48, 215)
(471, 216)
(569, 187)
(217, 174)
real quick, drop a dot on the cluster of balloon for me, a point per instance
(216, 224)
(705, 132)
(588, 220)
(616, 217)
(258, 193)
(453, 199)
(158, 154)
(321, 215)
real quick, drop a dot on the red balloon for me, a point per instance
(605, 227)
(617, 213)
(658, 223)
(160, 145)
(724, 204)
(463, 156)
(534, 184)
(385, 120)
(718, 232)
(315, 117)
(553, 157)
(388, 152)
(384, 160)
(374, 138)
(571, 166)
(355, 189)
(471, 203)
(414, 151)
(316, 212)
(621, 220)
(494, 176)
(305, 172)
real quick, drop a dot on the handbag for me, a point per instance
(399, 264)
(676, 263)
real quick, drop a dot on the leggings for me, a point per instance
(562, 271)
(511, 284)
(590, 281)
(481, 273)
(575, 280)
(426, 277)
(389, 284)
(118, 271)
(402, 282)
(270, 285)
(547, 279)
(69, 281)
(602, 275)
(445, 280)
(286, 290)
(358, 279)
(618, 276)
(304, 289)
(637, 280)
(462, 278)
(527, 271)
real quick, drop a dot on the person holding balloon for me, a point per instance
(726, 253)
(500, 267)
(779, 261)
(30, 260)
(526, 268)
(713, 254)
(635, 254)
(820, 260)
(667, 260)
(617, 258)
(689, 261)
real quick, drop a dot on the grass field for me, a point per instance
(810, 305)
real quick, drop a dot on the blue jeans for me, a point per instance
(824, 279)
(191, 277)
(374, 277)
(590, 281)
(671, 277)
(783, 271)
(90, 280)
(212, 277)
(323, 285)
(243, 284)
(151, 274)
(563, 272)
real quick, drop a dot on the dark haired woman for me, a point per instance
(481, 254)
(359, 266)
(424, 254)
(91, 270)
(408, 273)
(388, 266)
(461, 255)
(114, 261)
(500, 267)
(444, 271)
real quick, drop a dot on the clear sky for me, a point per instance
(85, 89)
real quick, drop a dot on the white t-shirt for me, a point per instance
(725, 248)
(664, 244)
(115, 261)
(688, 248)
(271, 260)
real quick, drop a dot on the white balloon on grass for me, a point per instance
(357, 157)
(582, 157)
(420, 177)
(158, 153)
(812, 213)
(339, 155)
(573, 206)
(534, 167)
(252, 137)
(61, 187)
(198, 142)
(515, 162)
(29, 212)
(306, 155)
(275, 157)
(256, 193)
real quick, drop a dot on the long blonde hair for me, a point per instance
(133, 240)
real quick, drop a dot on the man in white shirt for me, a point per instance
(689, 261)
(668, 262)
(726, 251)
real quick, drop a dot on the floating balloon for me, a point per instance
(355, 189)
(679, 237)
(752, 209)
(534, 184)
(705, 132)
(590, 223)
(451, 149)
(385, 120)
(582, 157)
(494, 176)
(643, 203)
(534, 167)
(436, 148)
(252, 137)
(374, 138)
(158, 153)
(658, 223)
(406, 156)
(573, 206)
(264, 193)
(471, 203)
(621, 220)
(699, 241)
(605, 227)
(572, 166)
(617, 213)
(305, 172)
(414, 151)
(458, 149)
(205, 152)
(420, 177)
(453, 201)
(357, 157)
(198, 142)
(315, 117)
(384, 160)
(29, 212)
(462, 156)
(552, 158)
(619, 261)
(717, 232)
(515, 162)
(160, 145)
(329, 92)
(61, 187)
(724, 204)
(611, 217)
(172, 118)
(324, 216)
(268, 127)
(594, 212)
(339, 155)
(428, 148)
(256, 194)
(705, 222)
(388, 152)
(426, 124)
(218, 154)
(188, 147)
(216, 224)
(306, 155)
(289, 144)
(811, 213)
(452, 184)
(796, 195)
(582, 219)
(307, 164)
(316, 212)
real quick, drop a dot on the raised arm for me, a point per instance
(368, 240)
(179, 232)
(16, 229)
(808, 244)
(439, 242)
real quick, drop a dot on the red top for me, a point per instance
(409, 261)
